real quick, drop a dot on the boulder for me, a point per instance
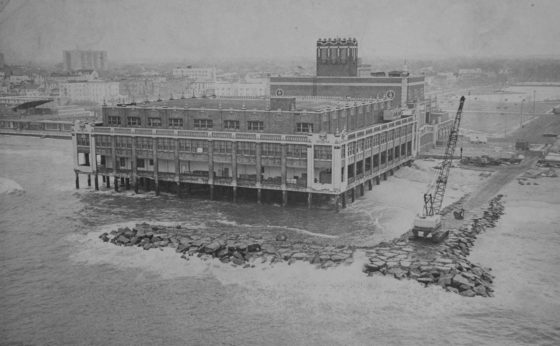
(459, 280)
(122, 239)
(316, 259)
(237, 261)
(468, 293)
(212, 247)
(300, 256)
(338, 257)
(480, 290)
(281, 237)
(223, 252)
(255, 247)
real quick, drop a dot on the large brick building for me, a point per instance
(288, 147)
(337, 75)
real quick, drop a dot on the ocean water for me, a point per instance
(60, 285)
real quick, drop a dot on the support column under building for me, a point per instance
(377, 180)
(353, 194)
(77, 180)
(108, 181)
(211, 192)
(89, 180)
(309, 199)
(370, 184)
(127, 182)
(156, 164)
(116, 182)
(259, 195)
(284, 198)
(135, 182)
(96, 182)
(234, 192)
(337, 202)
(343, 199)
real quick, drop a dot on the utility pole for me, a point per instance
(521, 114)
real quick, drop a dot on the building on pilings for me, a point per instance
(312, 146)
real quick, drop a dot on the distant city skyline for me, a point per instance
(176, 30)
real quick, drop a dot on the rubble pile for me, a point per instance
(238, 249)
(443, 264)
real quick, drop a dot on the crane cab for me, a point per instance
(428, 228)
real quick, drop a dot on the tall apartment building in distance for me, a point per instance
(85, 60)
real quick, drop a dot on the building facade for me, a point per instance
(92, 91)
(244, 89)
(196, 73)
(288, 146)
(337, 75)
(85, 60)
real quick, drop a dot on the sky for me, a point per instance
(183, 30)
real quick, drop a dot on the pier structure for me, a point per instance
(278, 149)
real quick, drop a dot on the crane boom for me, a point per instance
(434, 206)
(426, 225)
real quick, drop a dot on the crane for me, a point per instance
(426, 226)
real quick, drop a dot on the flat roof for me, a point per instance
(313, 105)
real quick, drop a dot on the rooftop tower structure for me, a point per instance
(337, 57)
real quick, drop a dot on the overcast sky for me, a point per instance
(179, 30)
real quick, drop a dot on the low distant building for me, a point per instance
(244, 89)
(92, 91)
(195, 73)
(18, 79)
(74, 76)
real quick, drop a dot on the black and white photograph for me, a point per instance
(279, 172)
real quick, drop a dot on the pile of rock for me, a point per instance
(237, 249)
(443, 264)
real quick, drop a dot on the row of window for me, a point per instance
(372, 141)
(201, 124)
(201, 146)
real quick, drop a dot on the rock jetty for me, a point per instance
(443, 264)
(238, 249)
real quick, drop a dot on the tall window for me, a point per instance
(271, 149)
(193, 145)
(166, 144)
(133, 121)
(246, 148)
(255, 126)
(323, 152)
(360, 145)
(144, 143)
(297, 151)
(203, 124)
(123, 142)
(83, 139)
(113, 120)
(154, 122)
(231, 124)
(222, 147)
(176, 122)
(103, 141)
(304, 127)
